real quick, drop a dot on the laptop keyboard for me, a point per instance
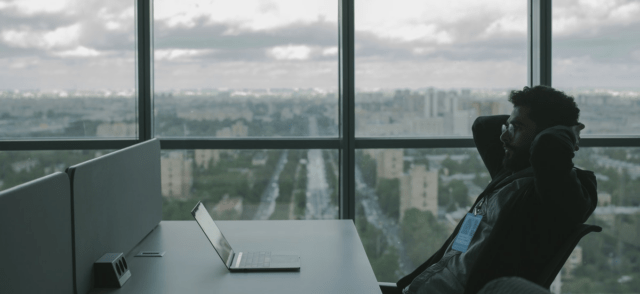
(260, 259)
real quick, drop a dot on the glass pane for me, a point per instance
(246, 68)
(596, 59)
(408, 202)
(67, 69)
(428, 68)
(251, 184)
(19, 167)
(608, 262)
(405, 195)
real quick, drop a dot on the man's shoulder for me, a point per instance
(584, 172)
(587, 179)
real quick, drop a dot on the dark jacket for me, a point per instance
(538, 217)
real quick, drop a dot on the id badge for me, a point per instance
(468, 229)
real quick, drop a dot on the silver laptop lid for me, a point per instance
(212, 232)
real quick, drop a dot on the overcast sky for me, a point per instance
(90, 44)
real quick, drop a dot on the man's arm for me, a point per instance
(556, 181)
(486, 135)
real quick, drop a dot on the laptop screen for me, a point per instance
(213, 233)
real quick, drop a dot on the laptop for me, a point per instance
(242, 261)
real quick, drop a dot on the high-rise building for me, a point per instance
(177, 175)
(390, 163)
(430, 104)
(419, 189)
(236, 130)
(117, 130)
(205, 157)
(572, 263)
(429, 126)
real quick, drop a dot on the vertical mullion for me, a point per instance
(144, 25)
(530, 24)
(347, 112)
(539, 56)
(545, 42)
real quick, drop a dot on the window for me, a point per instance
(432, 69)
(596, 58)
(19, 167)
(428, 71)
(246, 68)
(606, 262)
(397, 209)
(250, 184)
(353, 109)
(67, 69)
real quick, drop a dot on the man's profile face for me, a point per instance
(517, 140)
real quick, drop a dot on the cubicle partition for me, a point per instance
(35, 241)
(116, 202)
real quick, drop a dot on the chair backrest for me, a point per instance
(35, 237)
(556, 264)
(116, 201)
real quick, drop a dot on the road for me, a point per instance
(318, 197)
(319, 203)
(268, 198)
(378, 219)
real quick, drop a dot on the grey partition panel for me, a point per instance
(117, 201)
(35, 237)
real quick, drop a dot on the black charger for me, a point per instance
(111, 271)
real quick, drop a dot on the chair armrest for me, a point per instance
(389, 288)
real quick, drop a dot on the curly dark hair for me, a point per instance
(547, 106)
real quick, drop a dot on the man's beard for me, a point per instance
(519, 159)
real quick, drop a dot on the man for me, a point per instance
(535, 198)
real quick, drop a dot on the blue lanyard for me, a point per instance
(479, 206)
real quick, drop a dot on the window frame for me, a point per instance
(538, 73)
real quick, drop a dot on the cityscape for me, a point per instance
(408, 201)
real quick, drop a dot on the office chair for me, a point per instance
(548, 274)
(557, 262)
(512, 285)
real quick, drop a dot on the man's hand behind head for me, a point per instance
(576, 131)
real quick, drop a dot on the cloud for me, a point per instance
(585, 72)
(60, 37)
(290, 52)
(423, 50)
(262, 42)
(415, 32)
(589, 17)
(79, 51)
(330, 51)
(508, 24)
(114, 19)
(597, 4)
(441, 22)
(31, 7)
(20, 63)
(92, 73)
(248, 15)
(629, 11)
(179, 54)
(441, 73)
(253, 74)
